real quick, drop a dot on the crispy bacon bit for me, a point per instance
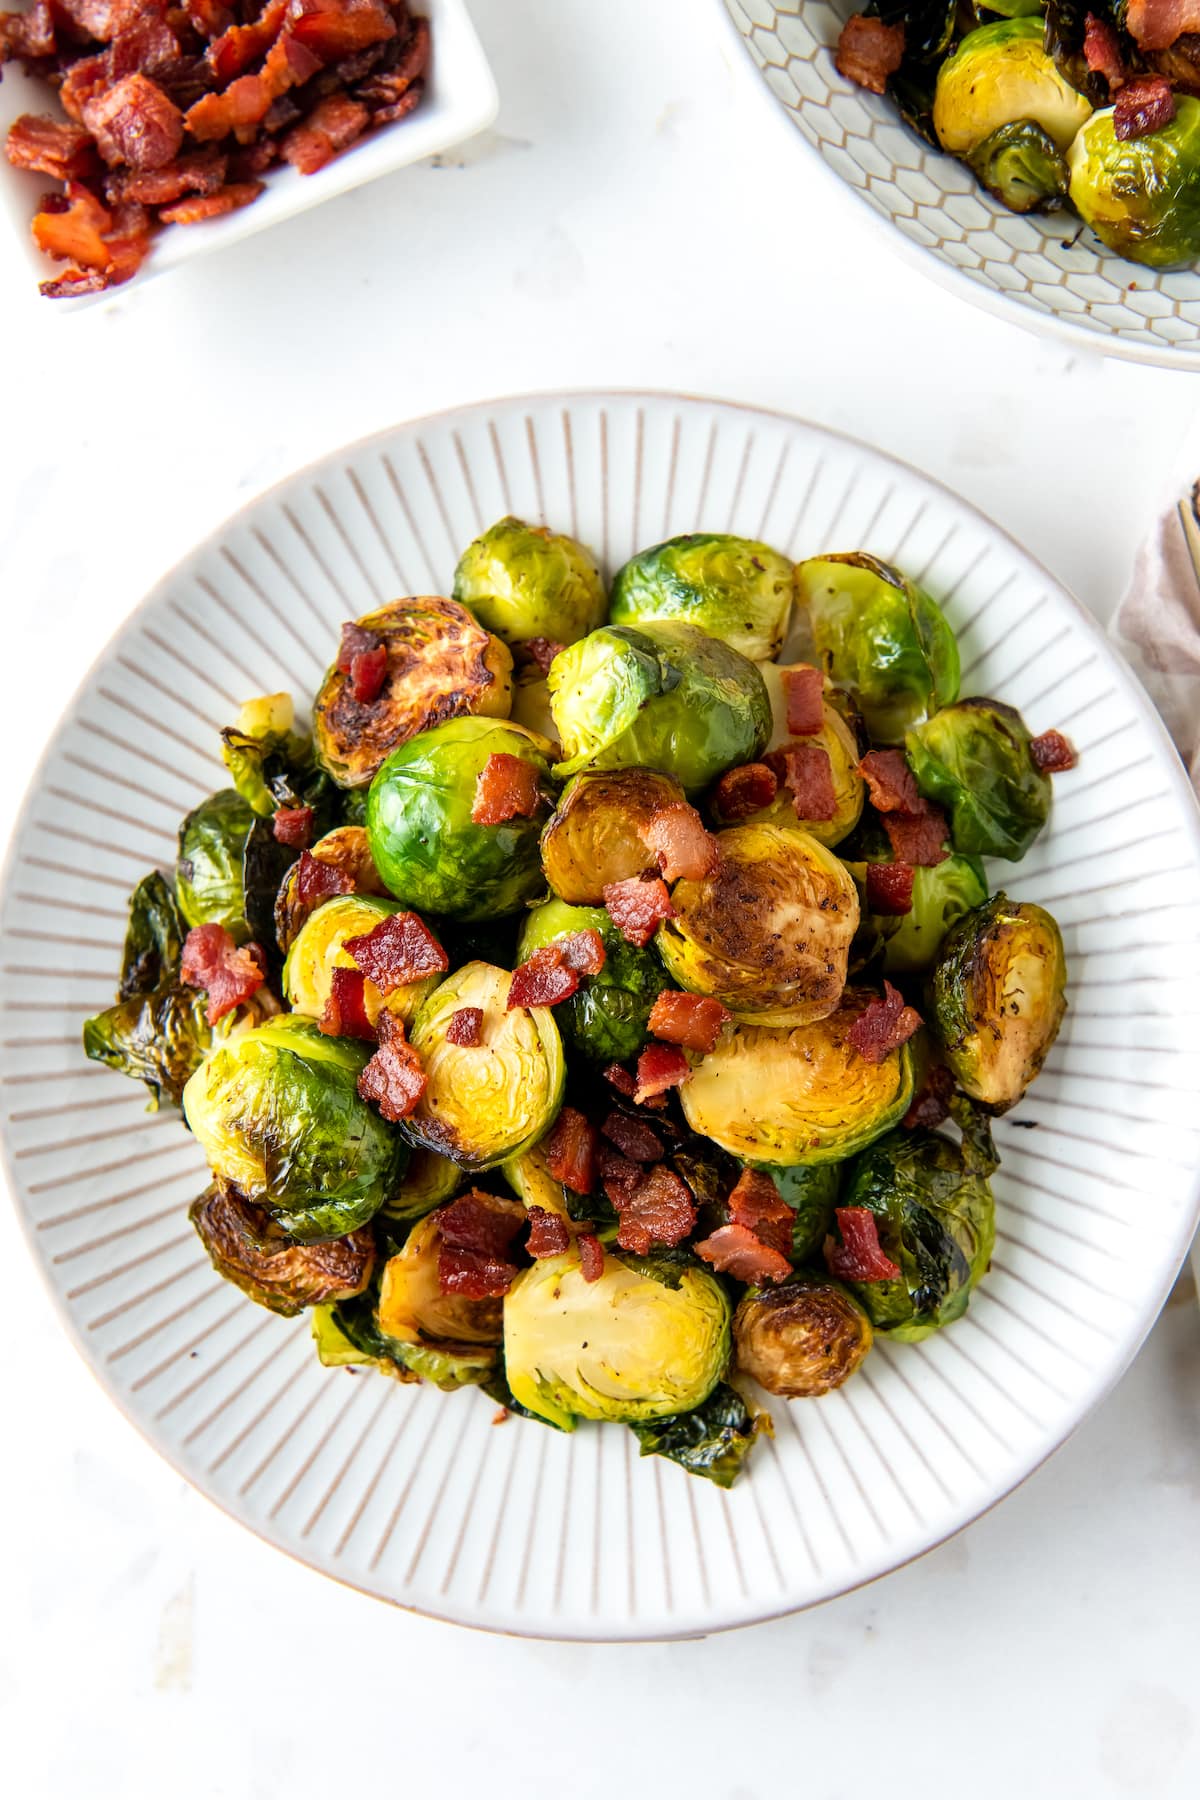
(693, 1020)
(638, 906)
(400, 950)
(29, 34)
(1143, 105)
(891, 783)
(618, 1174)
(539, 650)
(859, 1256)
(479, 1221)
(1102, 51)
(633, 1137)
(755, 1203)
(317, 880)
(102, 19)
(198, 207)
(736, 1251)
(744, 790)
(331, 127)
(345, 1012)
(932, 1103)
(335, 28)
(660, 1066)
(393, 1078)
(293, 825)
(466, 1028)
(544, 979)
(548, 1234)
(228, 974)
(621, 1079)
(201, 173)
(1157, 24)
(208, 17)
(368, 672)
(807, 773)
(387, 92)
(659, 1210)
(676, 838)
(571, 1151)
(135, 123)
(505, 788)
(73, 283)
(889, 889)
(883, 1025)
(355, 641)
(474, 1274)
(76, 235)
(591, 1256)
(49, 147)
(239, 46)
(804, 696)
(1051, 753)
(920, 840)
(868, 51)
(583, 951)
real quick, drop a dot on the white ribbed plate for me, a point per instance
(412, 1494)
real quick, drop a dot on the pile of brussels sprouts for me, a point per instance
(622, 702)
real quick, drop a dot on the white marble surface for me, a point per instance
(639, 217)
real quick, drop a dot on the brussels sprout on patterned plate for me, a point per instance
(733, 588)
(524, 582)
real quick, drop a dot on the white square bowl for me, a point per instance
(460, 99)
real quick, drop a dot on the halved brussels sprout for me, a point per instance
(347, 848)
(277, 1113)
(882, 637)
(633, 1345)
(935, 1219)
(665, 696)
(802, 1339)
(209, 878)
(282, 1276)
(414, 1310)
(768, 934)
(429, 1180)
(940, 897)
(488, 1102)
(605, 1018)
(1001, 73)
(975, 760)
(592, 839)
(441, 664)
(998, 998)
(805, 1095)
(531, 1181)
(522, 581)
(731, 587)
(427, 847)
(811, 1190)
(320, 948)
(712, 1439)
(1021, 165)
(838, 741)
(1141, 196)
(353, 1332)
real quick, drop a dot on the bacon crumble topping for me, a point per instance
(868, 51)
(638, 906)
(744, 790)
(229, 974)
(859, 1256)
(401, 949)
(807, 773)
(548, 1233)
(466, 1028)
(657, 1209)
(570, 1149)
(804, 699)
(394, 1077)
(889, 889)
(660, 1066)
(693, 1021)
(292, 825)
(345, 1012)
(883, 1026)
(676, 837)
(505, 788)
(1052, 753)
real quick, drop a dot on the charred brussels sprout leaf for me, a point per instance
(811, 1190)
(522, 581)
(998, 75)
(605, 1019)
(1022, 166)
(735, 589)
(929, 25)
(909, 944)
(974, 759)
(1141, 196)
(209, 873)
(282, 1276)
(803, 1339)
(160, 1038)
(272, 765)
(592, 838)
(153, 938)
(712, 1440)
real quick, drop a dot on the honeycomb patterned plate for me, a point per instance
(1048, 268)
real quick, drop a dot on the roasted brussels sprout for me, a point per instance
(804, 1095)
(712, 1439)
(633, 1345)
(665, 695)
(1022, 166)
(592, 839)
(935, 1219)
(605, 1019)
(882, 637)
(428, 1180)
(277, 1113)
(441, 664)
(353, 1331)
(802, 1339)
(811, 1190)
(320, 948)
(998, 75)
(531, 1181)
(769, 933)
(427, 847)
(522, 581)
(838, 741)
(735, 589)
(909, 943)
(975, 760)
(998, 998)
(280, 1275)
(346, 848)
(414, 1310)
(485, 1103)
(209, 878)
(1141, 196)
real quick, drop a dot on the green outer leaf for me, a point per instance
(160, 1038)
(712, 1440)
(153, 939)
(209, 885)
(975, 760)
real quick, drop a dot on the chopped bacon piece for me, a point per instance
(868, 51)
(387, 92)
(583, 951)
(49, 147)
(744, 790)
(474, 1274)
(660, 1066)
(544, 979)
(1102, 51)
(804, 696)
(675, 836)
(571, 1151)
(638, 906)
(293, 825)
(466, 1028)
(244, 104)
(932, 1102)
(883, 1025)
(548, 1234)
(1156, 24)
(234, 51)
(408, 102)
(889, 889)
(317, 880)
(76, 235)
(400, 950)
(919, 839)
(102, 19)
(892, 785)
(82, 82)
(335, 28)
(859, 1256)
(736, 1251)
(393, 1078)
(135, 123)
(198, 207)
(479, 1221)
(807, 773)
(633, 1137)
(591, 1256)
(693, 1020)
(755, 1203)
(539, 650)
(74, 282)
(228, 974)
(209, 18)
(345, 1012)
(621, 1079)
(331, 127)
(1145, 104)
(146, 47)
(29, 34)
(505, 788)
(368, 672)
(618, 1174)
(1051, 753)
(203, 172)
(355, 641)
(659, 1210)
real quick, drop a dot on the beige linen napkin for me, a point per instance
(1157, 625)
